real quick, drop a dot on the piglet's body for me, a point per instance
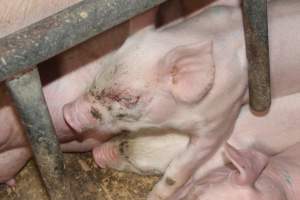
(191, 77)
(254, 176)
(151, 151)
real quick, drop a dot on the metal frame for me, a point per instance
(255, 18)
(64, 30)
(26, 91)
(46, 38)
(38, 42)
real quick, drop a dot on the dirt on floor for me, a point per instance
(88, 182)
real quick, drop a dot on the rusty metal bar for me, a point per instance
(26, 91)
(257, 46)
(64, 30)
(39, 42)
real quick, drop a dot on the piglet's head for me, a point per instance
(241, 181)
(145, 86)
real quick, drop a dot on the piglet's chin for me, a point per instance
(78, 115)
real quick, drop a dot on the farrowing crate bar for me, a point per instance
(38, 42)
(257, 44)
(21, 51)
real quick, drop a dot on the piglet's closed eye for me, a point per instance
(190, 71)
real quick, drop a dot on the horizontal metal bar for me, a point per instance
(257, 45)
(26, 91)
(63, 30)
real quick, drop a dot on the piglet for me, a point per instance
(252, 175)
(190, 76)
(150, 151)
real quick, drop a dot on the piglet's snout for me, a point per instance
(106, 155)
(79, 115)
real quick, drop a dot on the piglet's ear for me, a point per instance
(190, 71)
(249, 163)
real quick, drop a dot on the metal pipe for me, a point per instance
(257, 46)
(26, 92)
(63, 30)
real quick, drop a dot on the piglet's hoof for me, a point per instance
(11, 183)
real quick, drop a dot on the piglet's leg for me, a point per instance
(11, 162)
(183, 167)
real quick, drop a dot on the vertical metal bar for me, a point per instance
(26, 91)
(257, 45)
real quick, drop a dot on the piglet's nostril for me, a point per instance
(95, 113)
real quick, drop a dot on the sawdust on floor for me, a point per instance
(88, 182)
